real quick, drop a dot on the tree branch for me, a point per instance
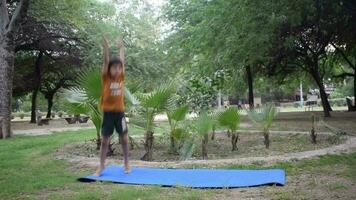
(344, 56)
(18, 15)
(4, 16)
(343, 75)
(27, 47)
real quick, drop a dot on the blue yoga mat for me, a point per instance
(195, 178)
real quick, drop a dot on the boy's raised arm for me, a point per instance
(106, 55)
(120, 45)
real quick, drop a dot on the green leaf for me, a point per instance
(157, 100)
(187, 150)
(264, 115)
(131, 99)
(90, 82)
(178, 133)
(179, 113)
(203, 124)
(230, 118)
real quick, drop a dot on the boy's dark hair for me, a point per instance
(114, 61)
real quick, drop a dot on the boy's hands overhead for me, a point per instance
(119, 42)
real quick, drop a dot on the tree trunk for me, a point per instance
(1, 127)
(132, 143)
(7, 56)
(213, 134)
(312, 131)
(8, 28)
(355, 87)
(234, 139)
(148, 147)
(250, 87)
(37, 85)
(173, 144)
(204, 146)
(266, 136)
(49, 105)
(33, 106)
(98, 141)
(324, 98)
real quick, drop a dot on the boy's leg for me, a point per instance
(103, 152)
(125, 148)
(106, 132)
(121, 128)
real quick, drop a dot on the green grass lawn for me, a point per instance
(28, 170)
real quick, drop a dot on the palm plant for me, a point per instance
(215, 122)
(175, 116)
(152, 104)
(189, 143)
(312, 131)
(264, 116)
(230, 118)
(203, 125)
(84, 98)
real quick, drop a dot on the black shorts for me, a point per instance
(113, 120)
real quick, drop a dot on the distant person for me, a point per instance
(112, 104)
(239, 105)
(18, 105)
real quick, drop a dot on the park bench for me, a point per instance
(44, 121)
(39, 120)
(309, 105)
(83, 119)
(350, 105)
(312, 101)
(71, 120)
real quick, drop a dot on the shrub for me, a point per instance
(60, 113)
(21, 115)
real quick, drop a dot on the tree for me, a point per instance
(203, 125)
(230, 118)
(9, 25)
(345, 42)
(254, 35)
(264, 117)
(218, 34)
(152, 104)
(175, 116)
(53, 81)
(347, 57)
(305, 32)
(47, 39)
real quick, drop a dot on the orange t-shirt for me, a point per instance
(112, 95)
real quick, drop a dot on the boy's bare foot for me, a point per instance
(98, 172)
(127, 169)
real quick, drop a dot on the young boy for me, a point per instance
(112, 104)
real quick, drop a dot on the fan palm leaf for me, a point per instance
(230, 118)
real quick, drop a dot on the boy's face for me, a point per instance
(116, 70)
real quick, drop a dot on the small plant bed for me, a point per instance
(249, 145)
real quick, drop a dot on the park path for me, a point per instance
(48, 131)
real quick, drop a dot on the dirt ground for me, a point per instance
(301, 121)
(326, 186)
(250, 145)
